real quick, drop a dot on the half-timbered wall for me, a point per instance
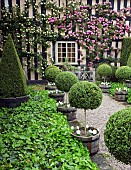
(50, 52)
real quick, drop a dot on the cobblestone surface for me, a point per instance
(98, 118)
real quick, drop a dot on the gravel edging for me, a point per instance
(98, 118)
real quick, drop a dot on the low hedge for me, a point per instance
(34, 136)
(117, 135)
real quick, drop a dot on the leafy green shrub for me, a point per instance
(113, 77)
(104, 70)
(125, 51)
(85, 95)
(35, 136)
(117, 135)
(129, 96)
(52, 66)
(129, 61)
(12, 79)
(115, 85)
(65, 80)
(123, 73)
(51, 74)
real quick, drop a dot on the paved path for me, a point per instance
(98, 118)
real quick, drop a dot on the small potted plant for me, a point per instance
(122, 73)
(56, 94)
(117, 135)
(104, 70)
(63, 82)
(86, 95)
(128, 82)
(13, 89)
(51, 74)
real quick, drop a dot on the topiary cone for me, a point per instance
(12, 79)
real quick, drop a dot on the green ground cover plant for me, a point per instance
(35, 137)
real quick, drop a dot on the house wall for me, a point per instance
(116, 4)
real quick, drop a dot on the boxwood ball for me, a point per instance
(65, 80)
(117, 135)
(85, 95)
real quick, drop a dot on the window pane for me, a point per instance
(69, 45)
(69, 49)
(73, 49)
(73, 45)
(64, 45)
(59, 49)
(59, 44)
(64, 50)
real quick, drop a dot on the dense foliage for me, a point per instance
(129, 61)
(85, 95)
(126, 50)
(51, 66)
(123, 73)
(104, 70)
(117, 135)
(35, 137)
(12, 79)
(51, 74)
(65, 80)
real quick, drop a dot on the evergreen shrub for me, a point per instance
(129, 61)
(65, 80)
(12, 79)
(51, 74)
(123, 73)
(117, 135)
(125, 51)
(104, 70)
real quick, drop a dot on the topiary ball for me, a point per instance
(117, 135)
(65, 80)
(85, 95)
(104, 70)
(52, 66)
(123, 73)
(51, 74)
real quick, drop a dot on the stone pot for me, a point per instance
(70, 112)
(13, 102)
(91, 142)
(57, 96)
(105, 88)
(120, 96)
(128, 83)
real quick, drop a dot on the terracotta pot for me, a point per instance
(120, 96)
(57, 96)
(128, 83)
(91, 142)
(13, 102)
(105, 88)
(70, 112)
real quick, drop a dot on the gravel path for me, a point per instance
(98, 118)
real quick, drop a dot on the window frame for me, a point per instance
(66, 42)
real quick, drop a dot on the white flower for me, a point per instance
(78, 132)
(94, 132)
(72, 127)
(68, 105)
(77, 127)
(87, 126)
(90, 131)
(125, 88)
